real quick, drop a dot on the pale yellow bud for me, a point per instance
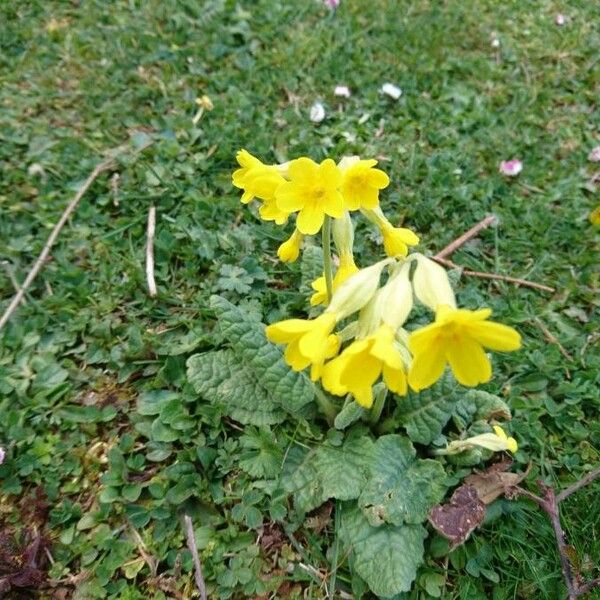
(431, 284)
(356, 291)
(343, 235)
(496, 442)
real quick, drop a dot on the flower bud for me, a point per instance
(290, 249)
(356, 291)
(343, 235)
(431, 284)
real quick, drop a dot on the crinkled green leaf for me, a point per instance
(425, 414)
(265, 360)
(401, 488)
(328, 472)
(386, 557)
(475, 405)
(221, 377)
(351, 413)
(300, 478)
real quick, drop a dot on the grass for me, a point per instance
(78, 78)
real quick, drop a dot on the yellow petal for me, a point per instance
(286, 331)
(395, 379)
(495, 336)
(469, 363)
(363, 396)
(294, 358)
(331, 376)
(310, 219)
(288, 197)
(500, 432)
(427, 368)
(377, 179)
(330, 173)
(303, 168)
(512, 445)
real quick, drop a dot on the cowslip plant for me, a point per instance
(396, 390)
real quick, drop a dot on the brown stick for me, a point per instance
(550, 337)
(150, 252)
(465, 237)
(495, 276)
(191, 543)
(549, 503)
(105, 165)
(578, 484)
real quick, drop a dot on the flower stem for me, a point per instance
(327, 263)
(376, 410)
(326, 406)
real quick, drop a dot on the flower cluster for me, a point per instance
(361, 335)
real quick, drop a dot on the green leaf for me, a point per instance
(386, 557)
(221, 377)
(425, 414)
(475, 405)
(150, 403)
(247, 338)
(328, 472)
(351, 413)
(401, 488)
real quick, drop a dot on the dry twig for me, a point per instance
(150, 251)
(466, 236)
(494, 276)
(105, 165)
(549, 503)
(440, 258)
(191, 543)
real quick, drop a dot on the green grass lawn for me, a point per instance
(88, 355)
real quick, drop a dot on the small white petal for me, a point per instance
(511, 168)
(342, 91)
(594, 155)
(560, 19)
(332, 4)
(495, 43)
(2, 455)
(317, 112)
(391, 90)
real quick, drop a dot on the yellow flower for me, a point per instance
(309, 342)
(496, 442)
(361, 184)
(346, 269)
(458, 337)
(255, 178)
(396, 240)
(360, 365)
(313, 192)
(290, 249)
(269, 211)
(595, 216)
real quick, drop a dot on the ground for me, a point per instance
(89, 351)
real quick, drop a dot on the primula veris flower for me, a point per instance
(595, 216)
(458, 338)
(361, 183)
(313, 192)
(256, 179)
(269, 211)
(431, 284)
(290, 249)
(396, 240)
(309, 342)
(345, 270)
(496, 442)
(361, 364)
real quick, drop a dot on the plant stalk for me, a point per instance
(327, 262)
